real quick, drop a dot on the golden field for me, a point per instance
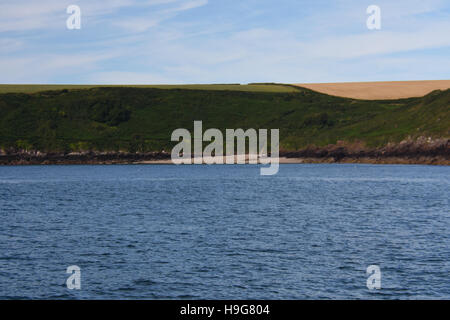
(379, 90)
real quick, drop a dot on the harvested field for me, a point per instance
(379, 90)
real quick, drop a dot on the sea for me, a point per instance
(312, 231)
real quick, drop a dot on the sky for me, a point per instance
(223, 41)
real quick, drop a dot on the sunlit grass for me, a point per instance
(33, 88)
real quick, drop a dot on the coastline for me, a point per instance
(282, 160)
(403, 153)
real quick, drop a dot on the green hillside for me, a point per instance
(34, 88)
(142, 119)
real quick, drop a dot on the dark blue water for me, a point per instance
(225, 232)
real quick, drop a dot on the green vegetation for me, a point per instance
(142, 119)
(255, 87)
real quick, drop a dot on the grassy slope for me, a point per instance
(34, 88)
(142, 119)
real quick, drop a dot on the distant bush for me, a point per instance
(322, 120)
(24, 145)
(110, 113)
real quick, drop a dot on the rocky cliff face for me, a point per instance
(423, 150)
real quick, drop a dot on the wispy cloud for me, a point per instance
(434, 35)
(124, 77)
(189, 5)
(152, 18)
(174, 41)
(47, 14)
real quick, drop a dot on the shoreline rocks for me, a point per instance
(419, 151)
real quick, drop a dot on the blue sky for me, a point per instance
(223, 41)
